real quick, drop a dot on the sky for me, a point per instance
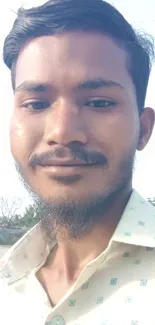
(141, 16)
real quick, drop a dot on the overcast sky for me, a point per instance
(142, 16)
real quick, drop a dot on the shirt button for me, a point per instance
(56, 320)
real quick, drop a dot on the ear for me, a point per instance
(147, 120)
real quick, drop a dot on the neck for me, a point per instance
(72, 255)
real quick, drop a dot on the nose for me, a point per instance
(65, 124)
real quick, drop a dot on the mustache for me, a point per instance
(87, 157)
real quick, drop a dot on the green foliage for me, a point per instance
(14, 226)
(28, 220)
(31, 216)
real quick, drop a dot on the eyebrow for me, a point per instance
(84, 85)
(98, 83)
(32, 87)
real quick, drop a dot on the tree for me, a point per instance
(10, 230)
(9, 211)
(11, 217)
(31, 216)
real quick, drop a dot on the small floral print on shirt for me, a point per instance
(113, 281)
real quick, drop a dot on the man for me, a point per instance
(80, 75)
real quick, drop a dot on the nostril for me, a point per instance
(51, 143)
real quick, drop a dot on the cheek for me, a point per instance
(115, 134)
(23, 138)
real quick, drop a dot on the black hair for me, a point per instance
(59, 16)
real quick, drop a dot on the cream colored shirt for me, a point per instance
(116, 288)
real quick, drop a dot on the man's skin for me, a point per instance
(64, 62)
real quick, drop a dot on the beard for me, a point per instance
(78, 218)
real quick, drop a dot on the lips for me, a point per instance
(68, 169)
(65, 163)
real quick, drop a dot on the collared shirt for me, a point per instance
(116, 288)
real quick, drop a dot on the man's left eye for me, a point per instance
(99, 103)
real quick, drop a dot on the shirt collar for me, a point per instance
(30, 252)
(136, 227)
(137, 224)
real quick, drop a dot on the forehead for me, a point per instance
(71, 57)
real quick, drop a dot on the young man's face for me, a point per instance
(75, 126)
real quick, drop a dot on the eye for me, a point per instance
(99, 103)
(36, 105)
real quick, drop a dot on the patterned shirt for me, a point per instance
(116, 288)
